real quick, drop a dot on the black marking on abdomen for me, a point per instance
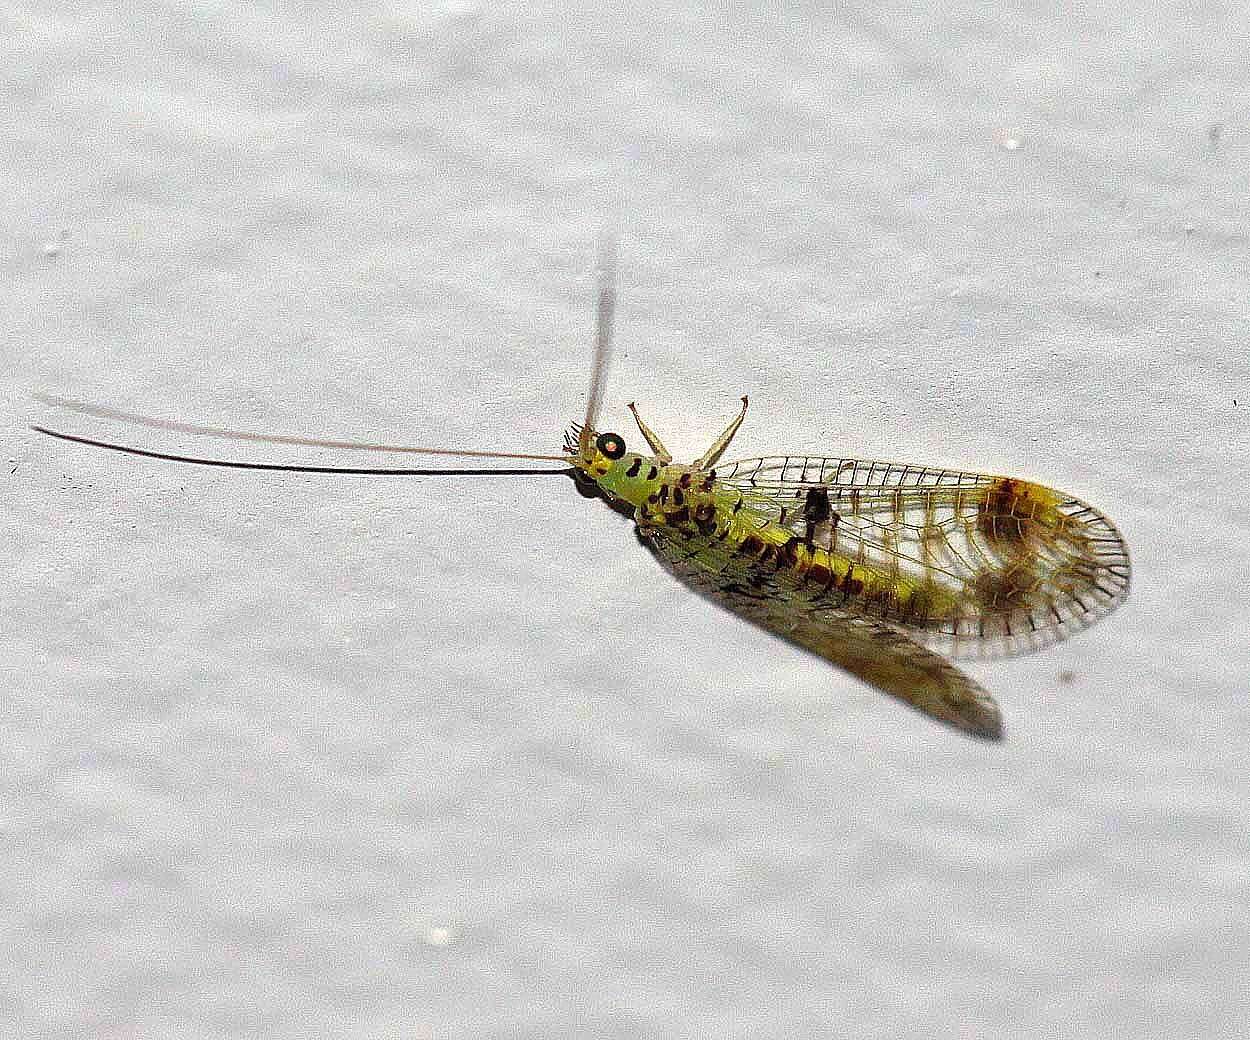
(816, 510)
(705, 519)
(789, 555)
(751, 545)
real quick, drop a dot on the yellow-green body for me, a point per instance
(691, 503)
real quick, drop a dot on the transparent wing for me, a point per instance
(1002, 566)
(869, 648)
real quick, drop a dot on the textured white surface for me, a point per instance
(287, 756)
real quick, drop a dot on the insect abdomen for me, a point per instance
(786, 563)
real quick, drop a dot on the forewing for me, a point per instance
(1005, 565)
(869, 648)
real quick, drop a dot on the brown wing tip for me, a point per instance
(979, 717)
(988, 726)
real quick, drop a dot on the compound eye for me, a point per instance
(611, 445)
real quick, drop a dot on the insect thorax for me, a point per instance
(632, 478)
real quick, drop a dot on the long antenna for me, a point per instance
(603, 338)
(103, 412)
(285, 468)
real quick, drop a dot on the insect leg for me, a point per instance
(662, 454)
(718, 447)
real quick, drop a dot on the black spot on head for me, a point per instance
(611, 444)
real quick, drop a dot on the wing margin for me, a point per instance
(1021, 566)
(870, 649)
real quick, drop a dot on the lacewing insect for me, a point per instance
(881, 568)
